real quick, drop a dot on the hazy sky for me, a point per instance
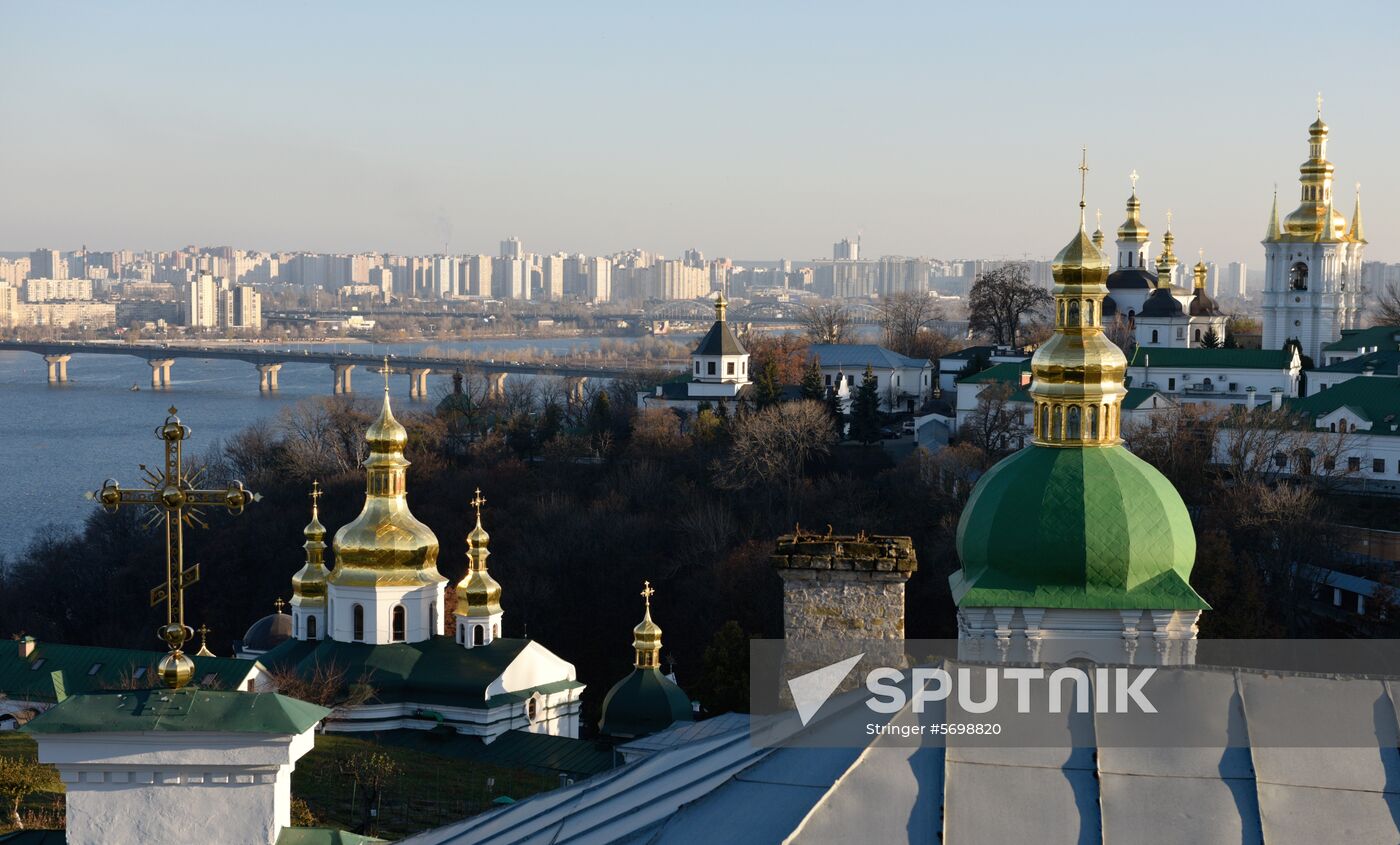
(752, 130)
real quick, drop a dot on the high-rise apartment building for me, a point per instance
(1236, 280)
(511, 248)
(47, 264)
(845, 250)
(511, 278)
(240, 307)
(199, 302)
(598, 275)
(552, 276)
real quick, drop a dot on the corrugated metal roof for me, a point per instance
(94, 668)
(1201, 358)
(858, 355)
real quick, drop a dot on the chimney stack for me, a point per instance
(1249, 398)
(27, 646)
(1276, 397)
(843, 586)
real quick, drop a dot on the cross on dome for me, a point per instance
(477, 501)
(386, 371)
(1319, 105)
(647, 593)
(1133, 177)
(279, 604)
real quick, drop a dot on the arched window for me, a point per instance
(532, 710)
(1093, 422)
(1197, 337)
(1089, 313)
(357, 623)
(697, 368)
(495, 631)
(1045, 421)
(478, 634)
(1074, 313)
(398, 626)
(1154, 335)
(311, 627)
(1298, 276)
(1072, 423)
(1055, 424)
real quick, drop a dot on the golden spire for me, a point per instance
(646, 637)
(204, 643)
(720, 304)
(1358, 231)
(1167, 260)
(1098, 228)
(478, 594)
(1199, 273)
(1132, 228)
(385, 545)
(1078, 372)
(309, 582)
(1315, 218)
(1272, 233)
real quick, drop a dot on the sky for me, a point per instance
(749, 130)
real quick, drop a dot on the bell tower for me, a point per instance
(1312, 259)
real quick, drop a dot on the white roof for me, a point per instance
(1237, 783)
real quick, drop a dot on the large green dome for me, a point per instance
(1086, 528)
(642, 703)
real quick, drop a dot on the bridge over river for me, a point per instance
(268, 362)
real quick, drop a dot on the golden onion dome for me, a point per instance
(385, 544)
(478, 594)
(309, 582)
(646, 637)
(1315, 218)
(1133, 228)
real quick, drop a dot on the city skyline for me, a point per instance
(749, 133)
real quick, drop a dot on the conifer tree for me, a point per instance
(767, 391)
(812, 387)
(865, 410)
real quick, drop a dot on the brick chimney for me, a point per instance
(842, 586)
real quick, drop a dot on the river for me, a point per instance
(63, 440)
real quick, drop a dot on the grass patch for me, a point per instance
(429, 791)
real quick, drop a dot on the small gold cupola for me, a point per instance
(479, 610)
(646, 637)
(1078, 373)
(1133, 228)
(1098, 230)
(309, 582)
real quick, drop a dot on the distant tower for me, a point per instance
(309, 583)
(478, 594)
(845, 250)
(1312, 262)
(719, 364)
(1132, 280)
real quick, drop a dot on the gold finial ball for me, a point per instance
(110, 495)
(174, 634)
(175, 669)
(172, 496)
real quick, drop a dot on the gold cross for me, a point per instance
(1098, 218)
(1169, 219)
(279, 604)
(203, 635)
(1083, 173)
(476, 502)
(315, 497)
(386, 371)
(647, 593)
(172, 495)
(1319, 105)
(1133, 177)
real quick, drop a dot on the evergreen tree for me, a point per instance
(812, 387)
(767, 391)
(600, 418)
(865, 410)
(1210, 340)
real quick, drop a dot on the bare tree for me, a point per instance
(772, 447)
(827, 323)
(326, 685)
(1001, 299)
(372, 772)
(1385, 311)
(998, 425)
(904, 319)
(323, 437)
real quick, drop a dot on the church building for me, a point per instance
(379, 615)
(719, 371)
(1312, 260)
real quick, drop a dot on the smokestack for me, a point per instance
(1249, 398)
(1276, 397)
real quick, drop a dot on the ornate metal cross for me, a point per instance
(476, 502)
(1133, 177)
(172, 495)
(647, 593)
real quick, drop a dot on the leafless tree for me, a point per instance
(1385, 310)
(998, 426)
(1121, 334)
(1002, 299)
(771, 448)
(372, 772)
(827, 323)
(904, 319)
(326, 685)
(323, 437)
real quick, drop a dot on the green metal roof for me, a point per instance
(321, 836)
(1009, 371)
(1386, 362)
(435, 671)
(93, 668)
(719, 340)
(1382, 337)
(1201, 358)
(1075, 528)
(1376, 400)
(643, 703)
(1138, 395)
(187, 709)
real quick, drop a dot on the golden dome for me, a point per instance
(1132, 228)
(1198, 274)
(1315, 219)
(478, 594)
(646, 637)
(309, 582)
(385, 544)
(1078, 373)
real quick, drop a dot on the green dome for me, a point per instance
(642, 703)
(1075, 528)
